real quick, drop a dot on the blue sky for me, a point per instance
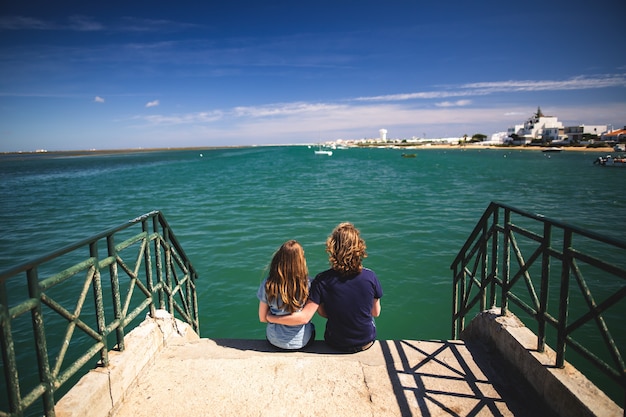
(110, 75)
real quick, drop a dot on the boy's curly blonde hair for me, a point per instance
(346, 249)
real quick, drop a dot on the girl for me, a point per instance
(284, 292)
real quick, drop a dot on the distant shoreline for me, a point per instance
(87, 152)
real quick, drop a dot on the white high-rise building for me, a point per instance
(383, 134)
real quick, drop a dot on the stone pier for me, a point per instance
(167, 370)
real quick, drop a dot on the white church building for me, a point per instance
(537, 127)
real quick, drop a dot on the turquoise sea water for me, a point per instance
(232, 208)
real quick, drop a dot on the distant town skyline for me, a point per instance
(83, 75)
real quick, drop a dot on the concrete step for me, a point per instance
(167, 370)
(251, 378)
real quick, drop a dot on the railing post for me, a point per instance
(455, 303)
(543, 295)
(159, 261)
(483, 266)
(148, 264)
(462, 312)
(97, 296)
(168, 268)
(506, 259)
(34, 291)
(11, 376)
(115, 292)
(563, 299)
(494, 258)
(196, 320)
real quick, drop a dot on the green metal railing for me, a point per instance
(567, 280)
(143, 268)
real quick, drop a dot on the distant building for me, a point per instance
(497, 138)
(512, 131)
(383, 134)
(538, 127)
(576, 134)
(615, 136)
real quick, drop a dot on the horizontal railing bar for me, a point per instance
(577, 230)
(554, 253)
(106, 262)
(612, 269)
(140, 237)
(55, 279)
(70, 248)
(24, 307)
(526, 233)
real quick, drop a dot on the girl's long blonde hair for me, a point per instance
(346, 249)
(288, 279)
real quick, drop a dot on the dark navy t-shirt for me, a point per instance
(348, 304)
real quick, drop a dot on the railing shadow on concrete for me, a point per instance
(433, 377)
(453, 378)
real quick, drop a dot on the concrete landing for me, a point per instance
(249, 377)
(167, 370)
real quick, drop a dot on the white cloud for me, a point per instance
(412, 96)
(179, 119)
(153, 103)
(98, 99)
(75, 23)
(458, 103)
(575, 83)
(275, 110)
(22, 22)
(491, 87)
(84, 24)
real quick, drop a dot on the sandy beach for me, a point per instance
(604, 149)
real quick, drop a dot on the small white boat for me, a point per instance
(321, 151)
(552, 149)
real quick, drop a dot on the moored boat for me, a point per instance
(321, 151)
(552, 149)
(610, 161)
